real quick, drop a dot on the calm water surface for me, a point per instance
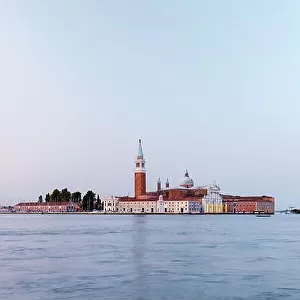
(149, 257)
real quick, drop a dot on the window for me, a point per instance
(137, 165)
(143, 165)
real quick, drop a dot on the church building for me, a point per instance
(182, 199)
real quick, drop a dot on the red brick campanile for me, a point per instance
(140, 173)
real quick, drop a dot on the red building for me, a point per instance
(249, 204)
(46, 207)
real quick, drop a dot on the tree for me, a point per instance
(98, 203)
(56, 196)
(40, 199)
(65, 195)
(84, 203)
(76, 197)
(47, 198)
(88, 201)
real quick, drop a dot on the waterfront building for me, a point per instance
(159, 205)
(213, 201)
(185, 205)
(249, 204)
(111, 204)
(46, 207)
(137, 205)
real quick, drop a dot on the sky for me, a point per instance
(209, 86)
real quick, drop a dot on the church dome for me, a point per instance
(187, 182)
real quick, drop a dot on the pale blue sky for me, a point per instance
(211, 86)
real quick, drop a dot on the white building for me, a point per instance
(137, 206)
(213, 201)
(111, 204)
(176, 206)
(160, 205)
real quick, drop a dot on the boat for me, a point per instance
(261, 213)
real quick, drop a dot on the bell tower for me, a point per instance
(167, 183)
(158, 185)
(140, 173)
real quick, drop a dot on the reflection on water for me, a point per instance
(139, 236)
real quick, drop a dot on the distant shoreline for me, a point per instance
(127, 214)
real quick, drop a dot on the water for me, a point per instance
(149, 257)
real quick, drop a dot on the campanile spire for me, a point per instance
(140, 151)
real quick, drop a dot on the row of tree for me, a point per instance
(88, 202)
